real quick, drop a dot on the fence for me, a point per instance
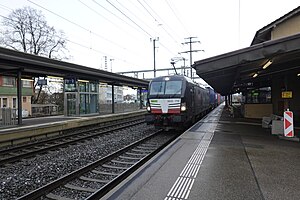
(8, 116)
(119, 107)
(39, 110)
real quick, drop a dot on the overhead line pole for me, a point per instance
(154, 58)
(191, 51)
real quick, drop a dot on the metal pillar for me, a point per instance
(226, 101)
(112, 98)
(191, 60)
(141, 102)
(19, 94)
(154, 58)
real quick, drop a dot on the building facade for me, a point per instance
(8, 93)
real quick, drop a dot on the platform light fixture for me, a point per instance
(27, 79)
(255, 75)
(83, 81)
(267, 64)
(298, 74)
(55, 77)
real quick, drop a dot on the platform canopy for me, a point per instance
(30, 65)
(235, 71)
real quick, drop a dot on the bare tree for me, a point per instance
(26, 30)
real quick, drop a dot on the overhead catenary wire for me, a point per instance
(117, 26)
(98, 13)
(76, 24)
(140, 28)
(156, 20)
(82, 45)
(119, 10)
(179, 20)
(5, 7)
(107, 10)
(138, 25)
(164, 42)
(133, 14)
(163, 25)
(107, 19)
(129, 18)
(160, 19)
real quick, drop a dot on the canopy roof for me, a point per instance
(30, 65)
(232, 72)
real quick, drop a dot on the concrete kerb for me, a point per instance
(18, 135)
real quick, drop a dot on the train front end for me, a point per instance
(166, 105)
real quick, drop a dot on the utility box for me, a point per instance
(277, 127)
(266, 122)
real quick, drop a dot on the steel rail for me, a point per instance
(64, 143)
(44, 190)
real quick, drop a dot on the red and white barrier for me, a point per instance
(288, 124)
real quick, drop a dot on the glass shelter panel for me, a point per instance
(84, 86)
(84, 104)
(94, 103)
(81, 97)
(71, 104)
(93, 87)
(105, 98)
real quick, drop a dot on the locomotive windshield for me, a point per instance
(166, 87)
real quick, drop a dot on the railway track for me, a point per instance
(97, 178)
(71, 137)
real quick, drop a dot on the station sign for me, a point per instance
(42, 82)
(288, 124)
(287, 94)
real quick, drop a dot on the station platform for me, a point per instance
(41, 127)
(218, 158)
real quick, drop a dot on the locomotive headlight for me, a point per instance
(148, 108)
(183, 107)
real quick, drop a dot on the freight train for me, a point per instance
(175, 102)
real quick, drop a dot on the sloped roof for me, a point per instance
(229, 73)
(232, 72)
(264, 34)
(30, 65)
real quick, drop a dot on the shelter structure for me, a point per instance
(267, 73)
(81, 83)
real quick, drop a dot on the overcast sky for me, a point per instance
(121, 29)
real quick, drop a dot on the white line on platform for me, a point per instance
(184, 183)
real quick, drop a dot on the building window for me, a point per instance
(261, 95)
(24, 99)
(14, 102)
(9, 81)
(5, 103)
(26, 83)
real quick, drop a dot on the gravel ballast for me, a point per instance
(22, 177)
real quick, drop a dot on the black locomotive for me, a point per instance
(176, 102)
